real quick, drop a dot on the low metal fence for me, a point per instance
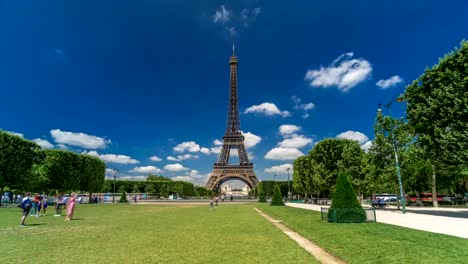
(348, 215)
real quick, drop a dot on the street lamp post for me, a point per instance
(289, 189)
(115, 177)
(397, 164)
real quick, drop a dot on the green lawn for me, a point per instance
(372, 242)
(147, 234)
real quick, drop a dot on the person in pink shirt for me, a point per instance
(71, 207)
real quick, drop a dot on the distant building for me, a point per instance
(226, 189)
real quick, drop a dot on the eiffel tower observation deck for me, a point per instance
(233, 139)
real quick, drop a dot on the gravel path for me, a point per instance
(449, 221)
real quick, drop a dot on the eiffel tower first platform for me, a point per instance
(223, 171)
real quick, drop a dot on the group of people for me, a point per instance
(214, 200)
(37, 206)
(379, 203)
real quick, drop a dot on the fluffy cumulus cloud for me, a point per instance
(15, 133)
(146, 169)
(43, 143)
(192, 176)
(216, 150)
(283, 154)
(182, 157)
(113, 158)
(218, 142)
(353, 135)
(345, 73)
(390, 82)
(281, 169)
(295, 141)
(268, 109)
(175, 167)
(155, 158)
(250, 140)
(366, 146)
(187, 146)
(205, 150)
(222, 15)
(288, 129)
(78, 139)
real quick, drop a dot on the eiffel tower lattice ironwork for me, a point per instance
(233, 139)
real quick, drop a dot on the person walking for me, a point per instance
(211, 203)
(26, 205)
(216, 201)
(35, 205)
(71, 207)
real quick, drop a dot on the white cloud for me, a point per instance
(366, 146)
(62, 146)
(146, 169)
(79, 139)
(306, 107)
(283, 154)
(305, 115)
(43, 143)
(344, 72)
(15, 133)
(268, 109)
(112, 158)
(175, 167)
(155, 158)
(250, 140)
(288, 129)
(390, 82)
(129, 177)
(193, 176)
(216, 150)
(248, 17)
(218, 142)
(296, 141)
(189, 146)
(222, 15)
(205, 150)
(182, 157)
(281, 169)
(353, 135)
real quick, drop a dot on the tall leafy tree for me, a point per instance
(437, 111)
(17, 157)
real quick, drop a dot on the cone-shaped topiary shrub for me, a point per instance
(261, 197)
(277, 197)
(123, 198)
(345, 207)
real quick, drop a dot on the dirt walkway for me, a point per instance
(318, 253)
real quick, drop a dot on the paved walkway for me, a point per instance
(449, 221)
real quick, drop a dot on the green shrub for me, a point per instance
(123, 198)
(277, 197)
(262, 198)
(345, 207)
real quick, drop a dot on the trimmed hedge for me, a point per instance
(163, 188)
(277, 199)
(345, 207)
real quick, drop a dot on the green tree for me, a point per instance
(277, 198)
(123, 198)
(62, 169)
(17, 157)
(345, 206)
(150, 188)
(437, 110)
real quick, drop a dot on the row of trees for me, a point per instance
(24, 166)
(160, 187)
(431, 142)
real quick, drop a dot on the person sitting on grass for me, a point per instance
(26, 205)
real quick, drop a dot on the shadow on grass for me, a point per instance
(79, 219)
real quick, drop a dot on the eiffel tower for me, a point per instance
(233, 139)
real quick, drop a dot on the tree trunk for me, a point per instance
(90, 197)
(434, 190)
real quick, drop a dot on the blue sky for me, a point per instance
(131, 80)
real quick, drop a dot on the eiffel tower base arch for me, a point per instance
(222, 175)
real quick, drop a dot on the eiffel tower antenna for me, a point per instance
(233, 49)
(233, 139)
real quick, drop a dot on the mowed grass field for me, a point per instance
(372, 242)
(147, 234)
